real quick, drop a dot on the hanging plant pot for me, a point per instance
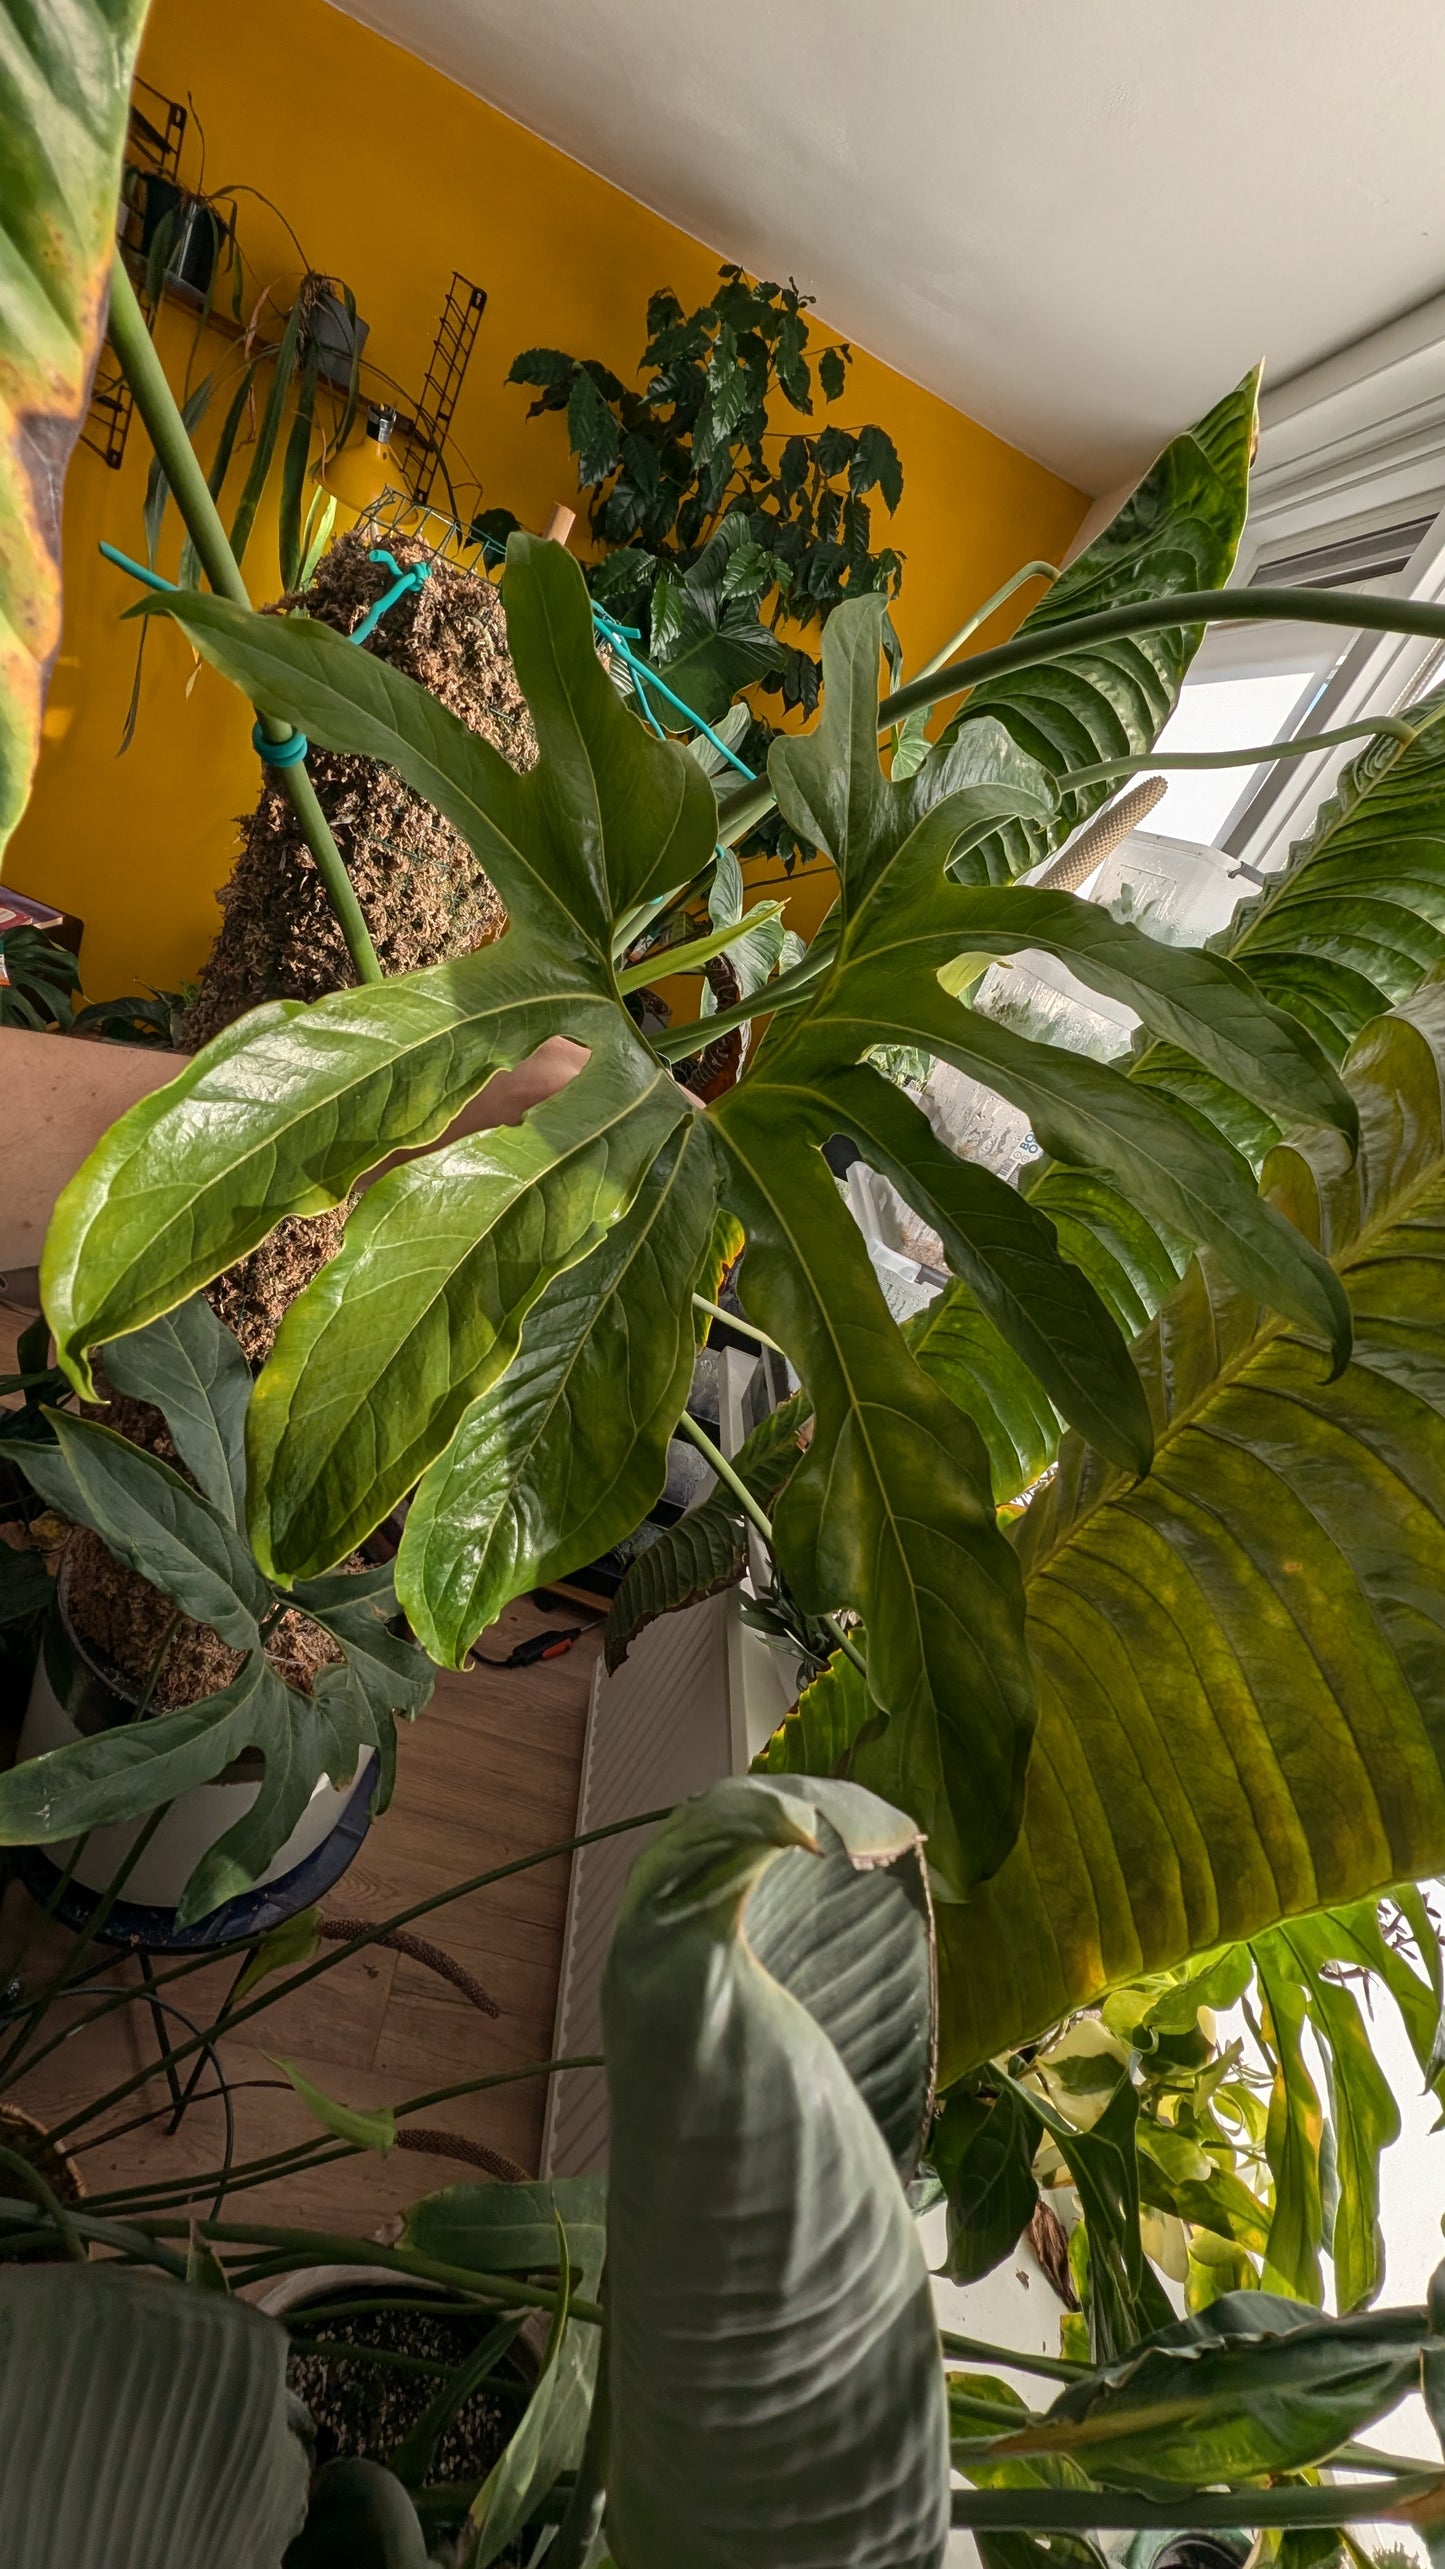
(193, 230)
(76, 1693)
(338, 337)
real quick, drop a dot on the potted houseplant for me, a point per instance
(164, 1631)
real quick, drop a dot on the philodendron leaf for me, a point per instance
(65, 82)
(1254, 2384)
(1179, 531)
(190, 1366)
(565, 1454)
(279, 1116)
(983, 2152)
(142, 2421)
(706, 1549)
(766, 2010)
(1265, 1603)
(156, 1522)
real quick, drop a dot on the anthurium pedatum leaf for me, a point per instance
(1291, 1529)
(767, 2024)
(65, 80)
(189, 1366)
(142, 2421)
(548, 1468)
(1180, 530)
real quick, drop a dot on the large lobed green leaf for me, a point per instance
(1180, 530)
(892, 1511)
(1239, 1659)
(65, 76)
(776, 2393)
(185, 1541)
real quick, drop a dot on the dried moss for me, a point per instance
(423, 893)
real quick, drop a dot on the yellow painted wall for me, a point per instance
(391, 177)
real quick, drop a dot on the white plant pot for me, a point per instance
(72, 1698)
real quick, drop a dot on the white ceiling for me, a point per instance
(1077, 220)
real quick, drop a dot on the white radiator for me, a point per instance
(694, 1700)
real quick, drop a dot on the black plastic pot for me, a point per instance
(338, 337)
(193, 230)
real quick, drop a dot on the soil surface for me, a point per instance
(367, 2408)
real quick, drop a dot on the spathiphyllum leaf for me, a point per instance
(65, 80)
(1179, 531)
(767, 2013)
(1241, 1710)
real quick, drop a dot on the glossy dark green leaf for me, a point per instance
(188, 1364)
(1254, 2384)
(766, 2287)
(591, 430)
(142, 2421)
(64, 97)
(706, 1549)
(1293, 2137)
(566, 1453)
(1196, 1000)
(962, 1351)
(1008, 1256)
(889, 1512)
(1351, 926)
(983, 2151)
(421, 1311)
(1123, 2297)
(1179, 531)
(901, 916)
(1239, 1659)
(156, 1522)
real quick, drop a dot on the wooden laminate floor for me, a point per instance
(488, 1773)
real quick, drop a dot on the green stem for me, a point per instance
(714, 1455)
(322, 2148)
(990, 606)
(1385, 727)
(1193, 2511)
(735, 1321)
(156, 403)
(48, 2200)
(1148, 615)
(679, 1041)
(337, 2248)
(324, 1962)
(734, 1481)
(1054, 2368)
